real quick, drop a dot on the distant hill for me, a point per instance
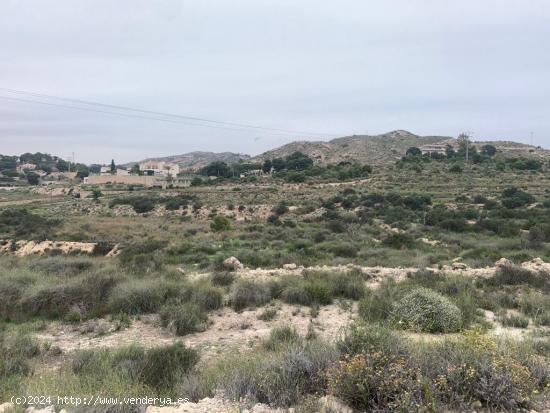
(371, 149)
(377, 149)
(386, 148)
(196, 160)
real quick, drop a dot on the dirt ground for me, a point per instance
(228, 329)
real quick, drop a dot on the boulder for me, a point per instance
(503, 262)
(290, 266)
(6, 406)
(232, 264)
(457, 266)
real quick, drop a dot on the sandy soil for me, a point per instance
(228, 329)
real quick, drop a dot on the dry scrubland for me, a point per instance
(384, 293)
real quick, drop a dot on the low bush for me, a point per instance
(184, 318)
(279, 378)
(220, 223)
(61, 266)
(281, 336)
(514, 320)
(140, 296)
(21, 223)
(160, 368)
(246, 293)
(204, 295)
(399, 240)
(515, 275)
(377, 305)
(223, 279)
(427, 311)
(377, 375)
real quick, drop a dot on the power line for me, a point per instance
(128, 115)
(150, 112)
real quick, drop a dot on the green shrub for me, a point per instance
(140, 297)
(514, 275)
(296, 294)
(427, 311)
(514, 320)
(205, 296)
(399, 240)
(281, 336)
(184, 318)
(377, 305)
(220, 223)
(140, 204)
(378, 375)
(223, 279)
(279, 378)
(165, 366)
(514, 198)
(21, 223)
(160, 368)
(61, 266)
(246, 293)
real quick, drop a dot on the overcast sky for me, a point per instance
(330, 67)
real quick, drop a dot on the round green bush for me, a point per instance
(427, 311)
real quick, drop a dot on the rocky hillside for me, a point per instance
(385, 148)
(377, 149)
(196, 160)
(370, 149)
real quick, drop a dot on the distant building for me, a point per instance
(159, 168)
(122, 172)
(440, 148)
(26, 167)
(105, 170)
(147, 181)
(252, 172)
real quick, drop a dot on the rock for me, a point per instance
(290, 266)
(232, 264)
(459, 266)
(47, 409)
(503, 262)
(114, 252)
(6, 406)
(332, 404)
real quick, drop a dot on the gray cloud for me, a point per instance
(335, 67)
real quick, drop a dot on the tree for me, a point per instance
(82, 171)
(450, 152)
(32, 178)
(218, 168)
(413, 151)
(464, 146)
(196, 181)
(95, 168)
(113, 167)
(135, 169)
(278, 164)
(488, 150)
(298, 161)
(8, 162)
(62, 165)
(267, 165)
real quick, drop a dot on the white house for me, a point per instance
(159, 168)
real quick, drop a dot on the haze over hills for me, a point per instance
(370, 149)
(198, 159)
